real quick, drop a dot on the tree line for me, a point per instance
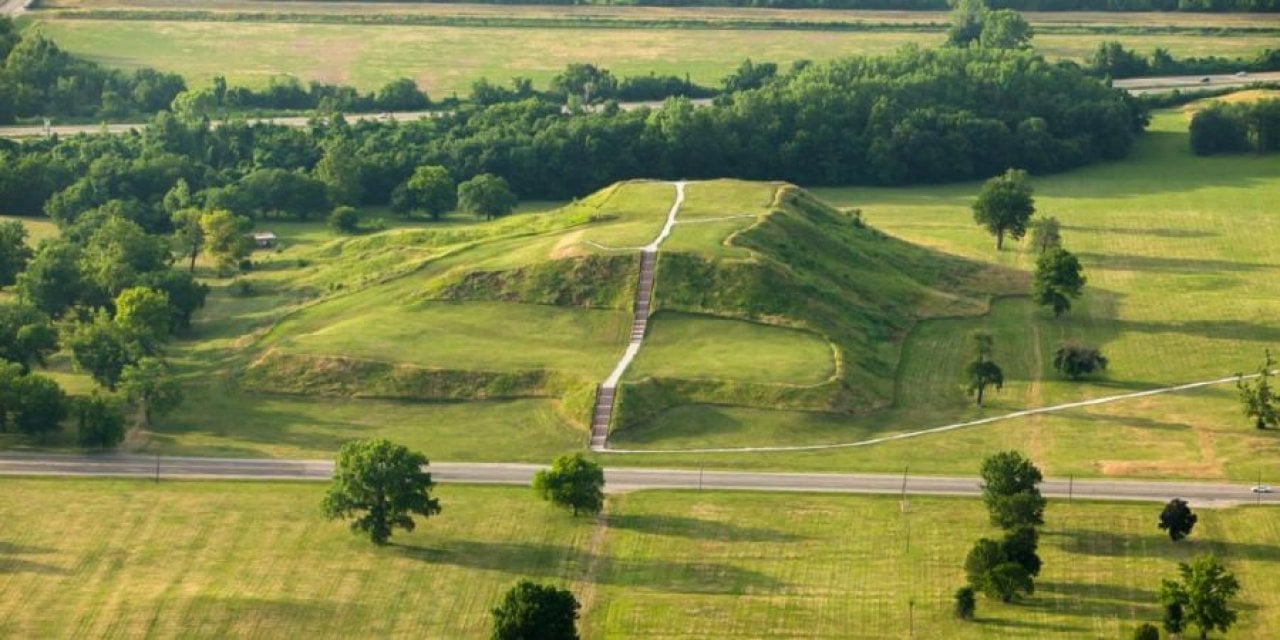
(1236, 128)
(915, 116)
(1111, 59)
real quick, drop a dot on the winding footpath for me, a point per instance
(602, 414)
(955, 425)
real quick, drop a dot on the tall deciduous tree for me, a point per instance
(573, 482)
(967, 18)
(26, 335)
(150, 386)
(145, 315)
(486, 195)
(101, 348)
(982, 372)
(1010, 489)
(429, 189)
(1005, 205)
(224, 237)
(1005, 29)
(1046, 233)
(1204, 594)
(52, 281)
(14, 252)
(531, 611)
(381, 485)
(1057, 280)
(1177, 519)
(99, 421)
(341, 172)
(1257, 398)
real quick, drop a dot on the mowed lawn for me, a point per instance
(682, 345)
(205, 559)
(1178, 251)
(447, 60)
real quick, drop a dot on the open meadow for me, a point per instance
(212, 559)
(1178, 251)
(446, 60)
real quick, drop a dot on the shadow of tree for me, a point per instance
(1107, 543)
(695, 528)
(10, 564)
(542, 560)
(1138, 231)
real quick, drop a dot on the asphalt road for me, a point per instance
(616, 479)
(1139, 86)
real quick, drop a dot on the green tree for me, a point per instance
(401, 95)
(967, 18)
(341, 172)
(344, 220)
(1146, 631)
(585, 82)
(1204, 594)
(383, 481)
(1019, 545)
(1005, 29)
(39, 406)
(1057, 280)
(1007, 581)
(225, 239)
(144, 314)
(486, 195)
(1177, 519)
(966, 605)
(1010, 489)
(573, 482)
(429, 189)
(1173, 620)
(52, 281)
(150, 386)
(985, 555)
(1258, 400)
(14, 252)
(1004, 205)
(981, 372)
(188, 235)
(1046, 234)
(99, 421)
(101, 348)
(26, 335)
(1075, 360)
(531, 611)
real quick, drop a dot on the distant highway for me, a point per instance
(13, 8)
(616, 478)
(1136, 86)
(1139, 86)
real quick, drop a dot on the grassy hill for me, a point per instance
(766, 298)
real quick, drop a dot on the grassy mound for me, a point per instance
(804, 265)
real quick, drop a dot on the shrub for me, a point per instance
(345, 220)
(966, 603)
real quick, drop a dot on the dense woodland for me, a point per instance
(1237, 128)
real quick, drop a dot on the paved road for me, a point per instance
(1136, 86)
(617, 479)
(1139, 86)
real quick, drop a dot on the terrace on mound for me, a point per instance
(765, 297)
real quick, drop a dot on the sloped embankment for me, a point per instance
(813, 267)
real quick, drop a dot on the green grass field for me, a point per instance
(687, 346)
(447, 60)
(219, 559)
(1176, 249)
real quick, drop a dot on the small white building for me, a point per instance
(264, 239)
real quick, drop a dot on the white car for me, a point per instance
(1241, 74)
(1262, 488)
